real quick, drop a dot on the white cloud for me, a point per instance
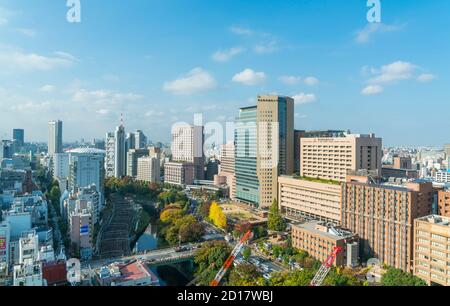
(31, 106)
(311, 81)
(97, 96)
(13, 60)
(197, 80)
(364, 35)
(250, 78)
(27, 32)
(47, 88)
(372, 90)
(290, 80)
(266, 48)
(426, 77)
(304, 98)
(103, 112)
(241, 31)
(393, 72)
(226, 55)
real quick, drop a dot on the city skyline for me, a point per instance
(53, 69)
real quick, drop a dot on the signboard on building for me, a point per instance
(2, 243)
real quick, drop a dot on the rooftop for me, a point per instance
(435, 219)
(321, 228)
(87, 151)
(316, 180)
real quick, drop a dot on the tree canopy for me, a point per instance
(397, 277)
(275, 221)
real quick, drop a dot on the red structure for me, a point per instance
(55, 273)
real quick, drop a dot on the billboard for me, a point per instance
(2, 243)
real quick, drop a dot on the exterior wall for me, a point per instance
(119, 152)
(148, 169)
(110, 155)
(227, 165)
(187, 146)
(179, 173)
(299, 198)
(132, 160)
(332, 158)
(61, 166)
(399, 173)
(432, 250)
(402, 163)
(55, 137)
(320, 244)
(444, 203)
(275, 144)
(382, 216)
(247, 183)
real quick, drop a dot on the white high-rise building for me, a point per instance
(187, 147)
(110, 158)
(55, 137)
(61, 166)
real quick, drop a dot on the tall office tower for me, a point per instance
(275, 144)
(245, 137)
(382, 215)
(141, 140)
(110, 158)
(226, 167)
(334, 158)
(132, 160)
(148, 169)
(120, 167)
(187, 147)
(19, 136)
(431, 249)
(130, 142)
(86, 169)
(55, 137)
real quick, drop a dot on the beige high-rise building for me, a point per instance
(333, 158)
(132, 160)
(275, 144)
(226, 167)
(148, 169)
(55, 137)
(187, 147)
(179, 173)
(382, 215)
(432, 249)
(309, 198)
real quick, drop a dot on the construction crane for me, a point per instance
(237, 249)
(326, 267)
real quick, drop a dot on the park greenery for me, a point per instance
(397, 277)
(176, 226)
(275, 221)
(209, 259)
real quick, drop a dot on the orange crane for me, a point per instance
(326, 267)
(237, 249)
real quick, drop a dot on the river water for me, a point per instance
(168, 276)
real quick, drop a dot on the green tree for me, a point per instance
(275, 221)
(246, 253)
(397, 277)
(209, 259)
(245, 275)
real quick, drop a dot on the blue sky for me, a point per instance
(160, 61)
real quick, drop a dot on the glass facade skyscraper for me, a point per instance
(247, 184)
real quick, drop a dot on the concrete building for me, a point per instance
(309, 198)
(28, 271)
(333, 158)
(432, 249)
(187, 147)
(148, 169)
(5, 237)
(382, 215)
(135, 273)
(319, 239)
(447, 150)
(444, 203)
(401, 162)
(275, 144)
(132, 160)
(140, 140)
(130, 142)
(442, 176)
(181, 174)
(55, 135)
(298, 134)
(86, 168)
(81, 228)
(119, 152)
(110, 158)
(61, 166)
(226, 167)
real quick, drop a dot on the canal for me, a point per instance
(168, 275)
